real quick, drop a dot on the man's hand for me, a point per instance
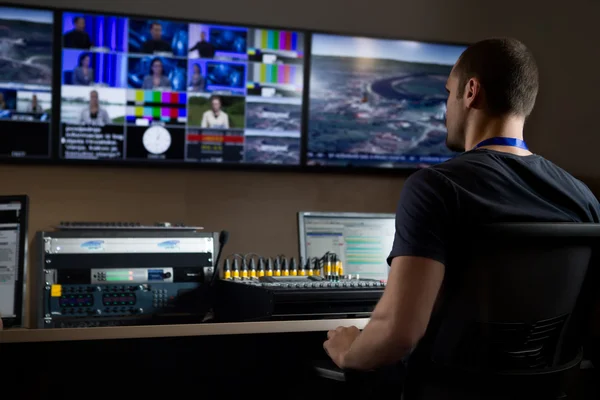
(338, 343)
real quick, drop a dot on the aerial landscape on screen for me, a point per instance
(378, 102)
(26, 46)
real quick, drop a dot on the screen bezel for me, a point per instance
(302, 215)
(20, 288)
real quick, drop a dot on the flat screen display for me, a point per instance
(25, 82)
(169, 91)
(377, 102)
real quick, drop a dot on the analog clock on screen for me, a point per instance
(156, 140)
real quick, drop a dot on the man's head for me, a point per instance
(215, 103)
(496, 78)
(94, 98)
(34, 99)
(156, 31)
(203, 36)
(79, 23)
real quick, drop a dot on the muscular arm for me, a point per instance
(401, 316)
(425, 220)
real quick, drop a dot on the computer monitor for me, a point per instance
(26, 61)
(362, 241)
(152, 90)
(378, 103)
(13, 258)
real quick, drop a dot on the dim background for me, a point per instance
(259, 208)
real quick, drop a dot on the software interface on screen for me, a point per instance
(10, 214)
(363, 243)
(149, 89)
(378, 102)
(25, 82)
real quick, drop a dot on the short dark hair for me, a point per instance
(507, 72)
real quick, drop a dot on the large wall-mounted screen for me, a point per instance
(377, 102)
(25, 82)
(137, 89)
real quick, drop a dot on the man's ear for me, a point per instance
(472, 93)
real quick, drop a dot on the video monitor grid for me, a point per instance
(25, 82)
(377, 102)
(147, 89)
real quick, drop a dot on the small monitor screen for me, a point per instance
(361, 241)
(377, 102)
(13, 228)
(25, 82)
(154, 90)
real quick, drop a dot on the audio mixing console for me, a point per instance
(281, 289)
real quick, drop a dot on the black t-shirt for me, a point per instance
(481, 187)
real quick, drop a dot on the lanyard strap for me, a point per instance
(503, 141)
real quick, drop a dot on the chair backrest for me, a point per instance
(509, 296)
(512, 308)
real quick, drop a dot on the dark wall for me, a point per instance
(259, 208)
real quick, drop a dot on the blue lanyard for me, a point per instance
(503, 141)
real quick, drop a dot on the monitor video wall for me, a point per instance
(377, 102)
(137, 89)
(153, 91)
(25, 82)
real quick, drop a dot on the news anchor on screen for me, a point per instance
(215, 118)
(78, 38)
(83, 75)
(204, 48)
(157, 78)
(34, 107)
(197, 80)
(93, 114)
(156, 44)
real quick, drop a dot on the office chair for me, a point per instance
(511, 317)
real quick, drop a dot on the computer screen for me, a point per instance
(361, 241)
(155, 90)
(378, 103)
(25, 82)
(13, 253)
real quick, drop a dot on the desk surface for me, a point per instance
(155, 331)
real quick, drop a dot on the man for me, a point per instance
(94, 114)
(205, 48)
(216, 117)
(78, 38)
(156, 44)
(34, 107)
(492, 89)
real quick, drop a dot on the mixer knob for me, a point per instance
(167, 275)
(140, 310)
(98, 312)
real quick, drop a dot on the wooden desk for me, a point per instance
(162, 331)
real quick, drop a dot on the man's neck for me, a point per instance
(508, 127)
